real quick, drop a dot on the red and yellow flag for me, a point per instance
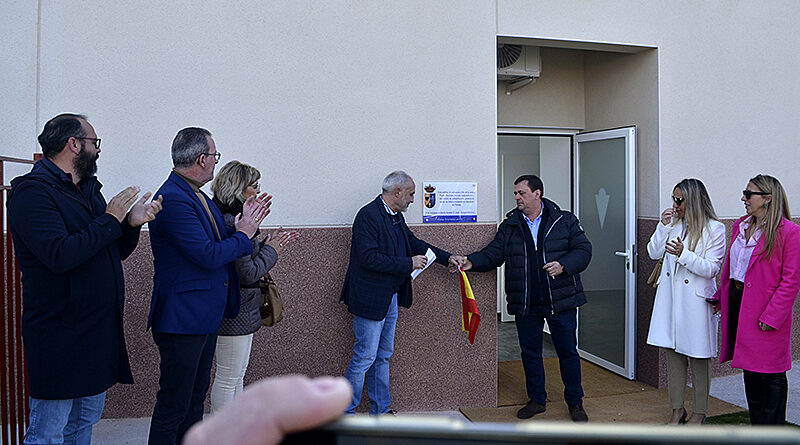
(470, 318)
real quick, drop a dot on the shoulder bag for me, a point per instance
(271, 304)
(653, 278)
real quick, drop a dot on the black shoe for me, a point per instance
(530, 410)
(391, 412)
(577, 413)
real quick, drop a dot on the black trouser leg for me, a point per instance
(734, 304)
(753, 390)
(766, 397)
(185, 374)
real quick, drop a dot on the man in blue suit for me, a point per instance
(383, 253)
(195, 282)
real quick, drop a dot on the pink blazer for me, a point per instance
(770, 289)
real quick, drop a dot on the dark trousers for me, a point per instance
(734, 305)
(185, 376)
(562, 330)
(766, 397)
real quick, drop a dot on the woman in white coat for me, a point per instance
(692, 242)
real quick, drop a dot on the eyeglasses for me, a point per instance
(255, 186)
(749, 193)
(216, 155)
(678, 201)
(95, 140)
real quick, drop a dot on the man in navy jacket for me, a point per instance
(383, 253)
(544, 250)
(195, 282)
(70, 245)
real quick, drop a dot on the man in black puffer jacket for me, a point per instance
(544, 249)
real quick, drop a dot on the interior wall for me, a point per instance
(555, 168)
(622, 90)
(556, 99)
(517, 155)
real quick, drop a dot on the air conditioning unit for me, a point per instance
(518, 61)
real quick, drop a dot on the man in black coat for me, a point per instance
(383, 253)
(544, 249)
(70, 245)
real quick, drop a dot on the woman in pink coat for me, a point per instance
(760, 282)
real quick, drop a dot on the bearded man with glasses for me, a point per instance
(70, 244)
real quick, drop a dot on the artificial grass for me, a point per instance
(738, 418)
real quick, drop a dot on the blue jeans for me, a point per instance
(371, 351)
(67, 421)
(562, 330)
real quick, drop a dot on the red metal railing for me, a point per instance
(13, 371)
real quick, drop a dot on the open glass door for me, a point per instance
(605, 191)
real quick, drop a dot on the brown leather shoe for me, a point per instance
(530, 410)
(577, 413)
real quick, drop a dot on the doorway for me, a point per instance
(593, 175)
(583, 87)
(548, 156)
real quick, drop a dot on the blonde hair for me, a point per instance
(231, 181)
(777, 209)
(698, 210)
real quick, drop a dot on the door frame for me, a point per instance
(519, 130)
(629, 134)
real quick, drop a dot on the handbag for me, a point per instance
(271, 304)
(653, 278)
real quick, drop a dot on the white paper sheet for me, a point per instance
(431, 258)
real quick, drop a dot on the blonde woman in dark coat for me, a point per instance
(234, 183)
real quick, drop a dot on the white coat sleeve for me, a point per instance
(706, 266)
(658, 241)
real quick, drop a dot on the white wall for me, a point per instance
(327, 97)
(18, 126)
(324, 97)
(727, 75)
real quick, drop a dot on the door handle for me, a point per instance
(627, 255)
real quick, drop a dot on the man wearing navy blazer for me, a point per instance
(70, 244)
(383, 253)
(195, 282)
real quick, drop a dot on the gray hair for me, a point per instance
(188, 145)
(396, 179)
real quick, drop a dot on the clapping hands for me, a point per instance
(280, 238)
(254, 211)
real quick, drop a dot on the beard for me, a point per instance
(86, 163)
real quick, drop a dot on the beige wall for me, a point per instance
(556, 99)
(727, 81)
(622, 90)
(345, 92)
(324, 97)
(18, 127)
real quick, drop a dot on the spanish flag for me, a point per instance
(471, 318)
